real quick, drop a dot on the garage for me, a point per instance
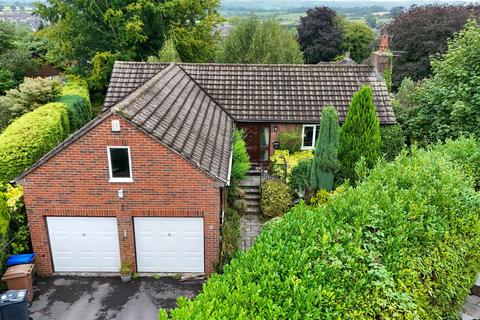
(169, 244)
(84, 244)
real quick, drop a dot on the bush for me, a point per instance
(403, 244)
(31, 136)
(276, 198)
(393, 141)
(240, 158)
(278, 159)
(18, 228)
(4, 223)
(7, 80)
(31, 94)
(290, 140)
(299, 180)
(75, 96)
(360, 134)
(230, 236)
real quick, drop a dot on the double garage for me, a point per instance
(163, 245)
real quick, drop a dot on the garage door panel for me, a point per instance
(169, 244)
(81, 244)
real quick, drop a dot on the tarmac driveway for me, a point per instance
(97, 298)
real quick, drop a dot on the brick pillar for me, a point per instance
(39, 236)
(126, 240)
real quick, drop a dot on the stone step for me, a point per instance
(252, 196)
(253, 210)
(251, 190)
(250, 181)
(253, 203)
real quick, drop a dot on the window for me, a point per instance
(119, 164)
(309, 136)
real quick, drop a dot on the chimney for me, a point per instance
(382, 59)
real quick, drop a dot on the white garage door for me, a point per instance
(84, 244)
(169, 244)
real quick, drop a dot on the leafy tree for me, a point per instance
(357, 39)
(168, 53)
(360, 134)
(371, 20)
(421, 32)
(7, 81)
(319, 35)
(325, 163)
(102, 65)
(79, 29)
(448, 104)
(256, 41)
(396, 11)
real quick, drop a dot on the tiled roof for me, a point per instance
(267, 93)
(173, 108)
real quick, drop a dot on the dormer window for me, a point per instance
(120, 164)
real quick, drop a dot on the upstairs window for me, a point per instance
(309, 136)
(120, 164)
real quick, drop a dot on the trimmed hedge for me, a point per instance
(393, 140)
(35, 133)
(403, 244)
(31, 136)
(276, 198)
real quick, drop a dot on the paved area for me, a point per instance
(250, 228)
(99, 298)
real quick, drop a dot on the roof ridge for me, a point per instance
(206, 92)
(305, 65)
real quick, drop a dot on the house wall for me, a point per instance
(75, 183)
(277, 128)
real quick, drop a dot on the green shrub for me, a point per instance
(240, 158)
(290, 140)
(4, 231)
(299, 179)
(18, 228)
(278, 159)
(403, 244)
(230, 236)
(76, 97)
(325, 163)
(393, 141)
(360, 134)
(31, 136)
(276, 198)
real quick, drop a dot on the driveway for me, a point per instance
(97, 298)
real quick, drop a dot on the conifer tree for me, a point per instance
(360, 134)
(325, 164)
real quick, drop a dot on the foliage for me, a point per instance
(402, 104)
(18, 228)
(319, 35)
(168, 53)
(31, 94)
(230, 236)
(280, 157)
(448, 104)
(357, 39)
(393, 141)
(325, 163)
(102, 66)
(290, 140)
(78, 30)
(421, 32)
(77, 99)
(394, 247)
(29, 137)
(388, 72)
(371, 20)
(7, 81)
(320, 198)
(4, 230)
(300, 177)
(276, 198)
(360, 134)
(125, 268)
(240, 158)
(257, 41)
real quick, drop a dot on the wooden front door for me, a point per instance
(257, 139)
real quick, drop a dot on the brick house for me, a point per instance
(145, 181)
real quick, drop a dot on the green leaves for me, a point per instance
(403, 244)
(240, 158)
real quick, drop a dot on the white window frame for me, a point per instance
(313, 137)
(112, 179)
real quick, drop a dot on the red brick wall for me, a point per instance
(281, 127)
(75, 183)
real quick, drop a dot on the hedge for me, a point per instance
(4, 230)
(393, 140)
(35, 133)
(403, 244)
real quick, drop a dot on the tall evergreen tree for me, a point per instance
(360, 134)
(168, 53)
(325, 163)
